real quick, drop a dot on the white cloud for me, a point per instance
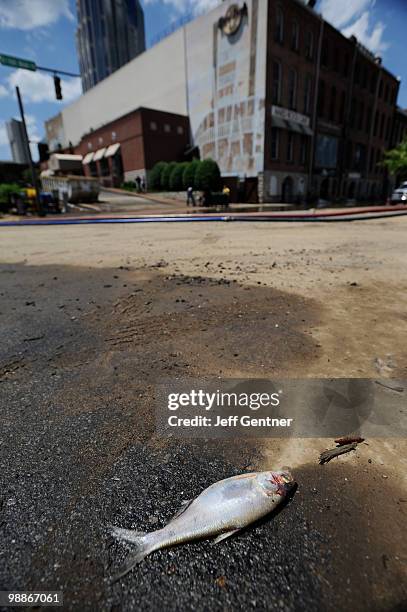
(3, 91)
(354, 17)
(342, 12)
(30, 14)
(182, 7)
(39, 87)
(371, 37)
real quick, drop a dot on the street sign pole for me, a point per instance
(27, 144)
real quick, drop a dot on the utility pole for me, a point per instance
(27, 144)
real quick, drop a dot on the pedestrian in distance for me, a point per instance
(190, 196)
(138, 183)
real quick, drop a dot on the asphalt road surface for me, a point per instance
(83, 345)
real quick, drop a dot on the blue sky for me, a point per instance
(44, 31)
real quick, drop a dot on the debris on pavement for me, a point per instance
(348, 440)
(327, 455)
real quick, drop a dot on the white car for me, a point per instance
(400, 194)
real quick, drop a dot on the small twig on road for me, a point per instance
(348, 440)
(335, 452)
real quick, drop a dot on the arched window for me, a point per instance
(295, 36)
(279, 31)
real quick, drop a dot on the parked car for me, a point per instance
(400, 194)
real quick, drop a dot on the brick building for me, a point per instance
(131, 145)
(331, 107)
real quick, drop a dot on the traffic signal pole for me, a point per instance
(27, 144)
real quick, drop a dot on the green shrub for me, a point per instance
(208, 175)
(189, 175)
(154, 179)
(6, 189)
(176, 177)
(128, 186)
(165, 175)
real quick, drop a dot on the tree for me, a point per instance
(176, 177)
(190, 174)
(208, 175)
(396, 160)
(165, 175)
(154, 179)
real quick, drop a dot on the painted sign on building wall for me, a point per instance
(226, 85)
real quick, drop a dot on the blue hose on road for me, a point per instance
(193, 219)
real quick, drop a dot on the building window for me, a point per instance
(376, 123)
(325, 53)
(114, 135)
(290, 146)
(309, 45)
(352, 113)
(276, 92)
(388, 128)
(361, 116)
(336, 59)
(275, 142)
(369, 119)
(153, 126)
(167, 128)
(364, 79)
(292, 89)
(346, 65)
(89, 145)
(100, 140)
(357, 73)
(321, 99)
(304, 150)
(180, 129)
(371, 161)
(382, 126)
(343, 107)
(359, 160)
(295, 36)
(332, 105)
(307, 93)
(279, 31)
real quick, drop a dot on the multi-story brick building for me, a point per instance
(130, 146)
(286, 104)
(332, 107)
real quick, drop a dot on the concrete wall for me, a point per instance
(155, 79)
(226, 88)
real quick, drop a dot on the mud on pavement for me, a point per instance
(82, 351)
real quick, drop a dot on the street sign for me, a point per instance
(17, 62)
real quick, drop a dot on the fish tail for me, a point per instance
(142, 547)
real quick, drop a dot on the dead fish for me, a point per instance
(221, 510)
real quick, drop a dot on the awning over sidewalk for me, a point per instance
(88, 158)
(112, 149)
(99, 154)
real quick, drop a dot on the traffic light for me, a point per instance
(58, 90)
